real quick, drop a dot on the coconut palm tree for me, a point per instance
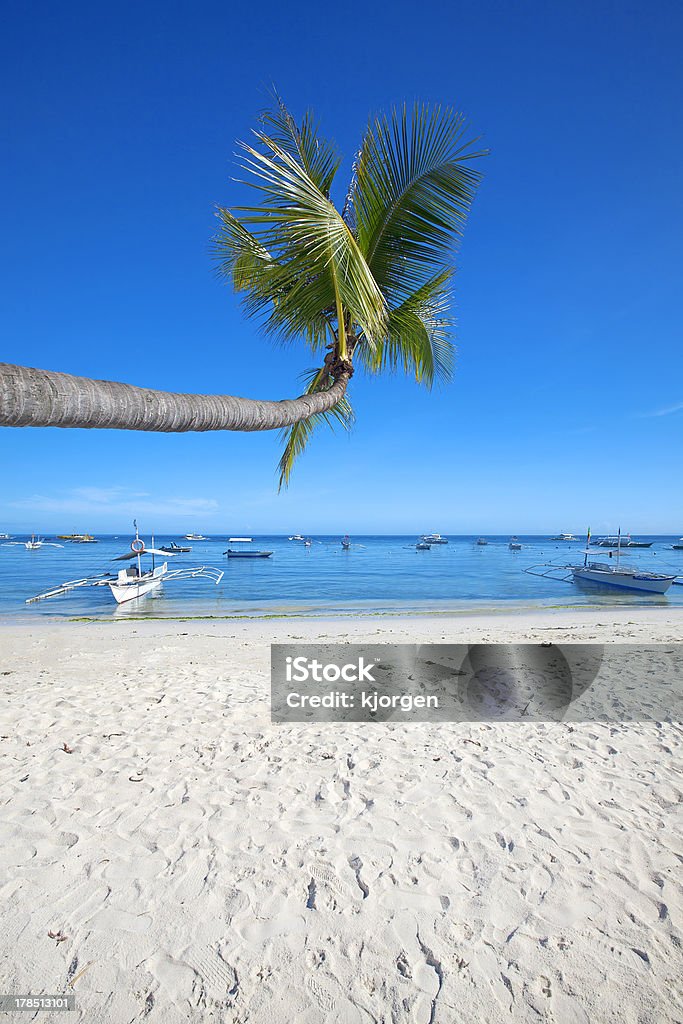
(366, 286)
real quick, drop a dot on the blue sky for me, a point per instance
(567, 404)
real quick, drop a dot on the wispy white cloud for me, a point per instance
(117, 500)
(666, 411)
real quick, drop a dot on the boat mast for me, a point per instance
(137, 548)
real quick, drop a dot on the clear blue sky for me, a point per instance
(567, 405)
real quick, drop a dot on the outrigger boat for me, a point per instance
(514, 544)
(132, 582)
(433, 538)
(482, 542)
(622, 542)
(611, 575)
(195, 536)
(34, 544)
(174, 549)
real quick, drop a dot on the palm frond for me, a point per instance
(317, 156)
(297, 436)
(240, 257)
(418, 338)
(320, 266)
(415, 187)
(262, 281)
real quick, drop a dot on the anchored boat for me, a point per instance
(231, 553)
(622, 542)
(134, 582)
(611, 574)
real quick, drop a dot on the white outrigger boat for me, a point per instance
(131, 583)
(611, 574)
(34, 544)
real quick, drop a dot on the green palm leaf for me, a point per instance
(302, 142)
(415, 186)
(418, 337)
(297, 437)
(321, 269)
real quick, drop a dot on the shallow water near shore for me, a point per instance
(377, 575)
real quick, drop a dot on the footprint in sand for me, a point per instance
(544, 984)
(326, 875)
(193, 872)
(218, 976)
(403, 966)
(321, 995)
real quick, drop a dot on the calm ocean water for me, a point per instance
(377, 575)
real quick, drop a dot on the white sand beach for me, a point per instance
(194, 862)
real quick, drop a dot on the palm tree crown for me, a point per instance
(370, 285)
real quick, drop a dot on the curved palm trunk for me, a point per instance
(41, 398)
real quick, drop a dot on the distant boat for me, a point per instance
(514, 544)
(195, 536)
(422, 546)
(307, 542)
(297, 536)
(565, 536)
(482, 542)
(346, 542)
(5, 536)
(174, 549)
(247, 554)
(679, 546)
(239, 540)
(624, 542)
(433, 538)
(77, 538)
(34, 544)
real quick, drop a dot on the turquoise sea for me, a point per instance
(378, 575)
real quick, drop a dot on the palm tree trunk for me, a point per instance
(41, 398)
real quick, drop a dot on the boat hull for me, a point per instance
(131, 591)
(643, 582)
(248, 554)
